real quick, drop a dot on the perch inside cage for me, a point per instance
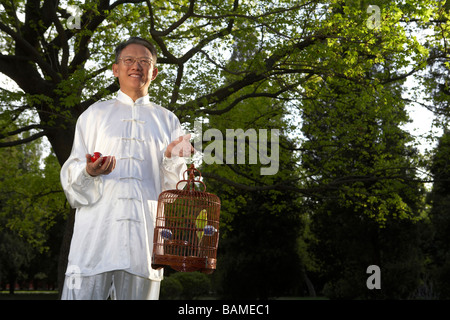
(186, 234)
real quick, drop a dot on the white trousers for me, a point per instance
(116, 285)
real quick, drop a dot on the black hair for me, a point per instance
(136, 40)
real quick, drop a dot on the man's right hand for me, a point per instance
(97, 168)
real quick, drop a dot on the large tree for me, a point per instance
(380, 201)
(435, 81)
(355, 145)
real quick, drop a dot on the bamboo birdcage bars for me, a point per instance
(186, 233)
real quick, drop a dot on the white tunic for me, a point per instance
(116, 213)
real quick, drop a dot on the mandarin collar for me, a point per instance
(123, 97)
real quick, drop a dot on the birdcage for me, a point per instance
(186, 233)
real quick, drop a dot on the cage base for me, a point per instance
(185, 264)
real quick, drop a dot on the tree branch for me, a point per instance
(253, 77)
(113, 87)
(15, 132)
(34, 54)
(63, 42)
(174, 25)
(247, 96)
(22, 141)
(176, 88)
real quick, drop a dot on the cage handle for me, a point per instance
(191, 179)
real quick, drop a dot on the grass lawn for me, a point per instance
(29, 295)
(53, 295)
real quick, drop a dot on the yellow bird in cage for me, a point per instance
(200, 223)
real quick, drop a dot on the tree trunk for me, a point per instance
(61, 141)
(64, 251)
(12, 281)
(309, 284)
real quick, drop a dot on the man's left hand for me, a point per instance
(180, 147)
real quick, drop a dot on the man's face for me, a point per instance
(135, 78)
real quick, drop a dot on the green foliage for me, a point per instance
(355, 145)
(185, 286)
(258, 258)
(31, 205)
(171, 289)
(347, 243)
(31, 195)
(259, 226)
(361, 160)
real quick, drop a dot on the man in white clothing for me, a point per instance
(116, 196)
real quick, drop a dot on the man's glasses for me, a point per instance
(129, 61)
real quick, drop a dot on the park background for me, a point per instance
(341, 80)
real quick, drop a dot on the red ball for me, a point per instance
(97, 155)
